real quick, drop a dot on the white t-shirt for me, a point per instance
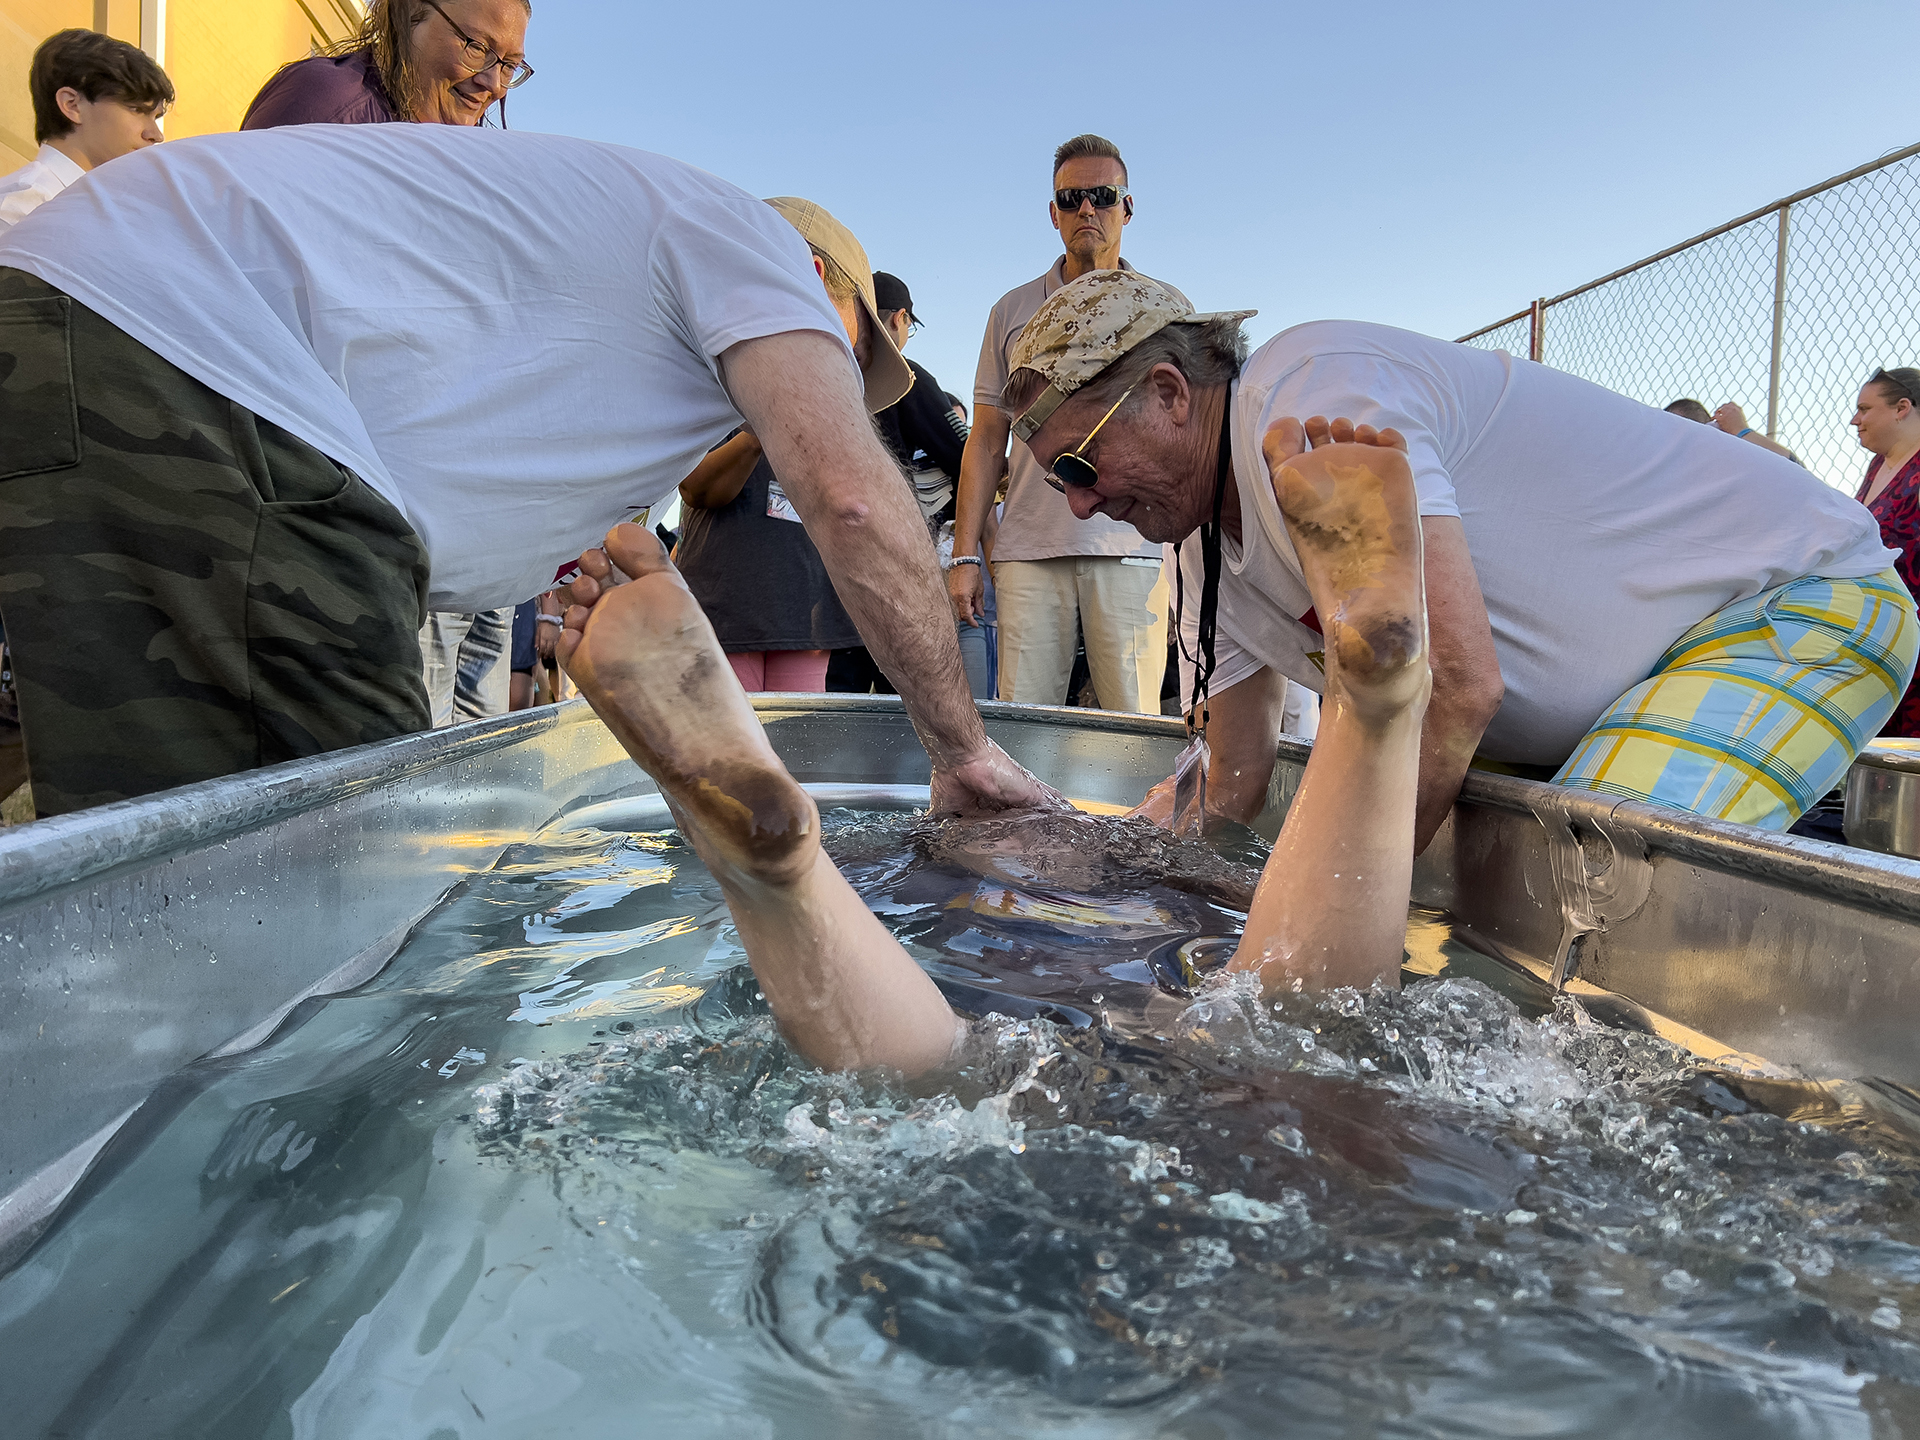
(1601, 529)
(512, 337)
(1038, 523)
(33, 184)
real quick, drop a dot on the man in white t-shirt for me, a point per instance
(1056, 577)
(269, 396)
(95, 99)
(1629, 602)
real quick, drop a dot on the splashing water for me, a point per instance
(1425, 1211)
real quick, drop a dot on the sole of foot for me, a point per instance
(1354, 516)
(642, 652)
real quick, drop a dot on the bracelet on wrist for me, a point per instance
(550, 620)
(1742, 434)
(966, 560)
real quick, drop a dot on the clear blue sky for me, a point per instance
(1432, 166)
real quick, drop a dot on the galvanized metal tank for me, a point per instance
(138, 937)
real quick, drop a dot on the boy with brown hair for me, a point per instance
(95, 99)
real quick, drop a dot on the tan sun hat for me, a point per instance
(887, 375)
(1085, 326)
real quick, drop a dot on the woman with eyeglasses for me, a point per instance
(439, 62)
(1888, 424)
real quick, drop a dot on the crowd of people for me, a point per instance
(260, 503)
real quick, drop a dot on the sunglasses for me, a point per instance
(1070, 467)
(1884, 376)
(1104, 197)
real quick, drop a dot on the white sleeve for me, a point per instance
(1369, 390)
(730, 268)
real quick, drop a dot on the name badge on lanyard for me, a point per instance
(778, 506)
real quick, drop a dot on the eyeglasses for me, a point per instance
(1104, 197)
(479, 56)
(1884, 376)
(1070, 467)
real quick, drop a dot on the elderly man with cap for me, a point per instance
(1619, 599)
(1330, 908)
(251, 427)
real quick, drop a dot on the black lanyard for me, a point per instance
(1210, 567)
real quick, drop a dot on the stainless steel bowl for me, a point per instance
(1883, 798)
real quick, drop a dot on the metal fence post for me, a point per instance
(1537, 328)
(1779, 321)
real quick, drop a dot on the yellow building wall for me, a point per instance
(217, 52)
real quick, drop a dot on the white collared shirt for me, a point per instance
(35, 183)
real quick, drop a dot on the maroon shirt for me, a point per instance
(323, 90)
(1898, 511)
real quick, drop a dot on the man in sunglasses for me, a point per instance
(1057, 577)
(1618, 602)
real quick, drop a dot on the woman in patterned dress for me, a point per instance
(1888, 424)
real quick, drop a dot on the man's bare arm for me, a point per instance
(720, 477)
(982, 464)
(801, 397)
(1467, 688)
(1243, 736)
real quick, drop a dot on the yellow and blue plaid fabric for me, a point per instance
(1757, 711)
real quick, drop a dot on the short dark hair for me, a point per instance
(1691, 410)
(1898, 385)
(1089, 147)
(100, 68)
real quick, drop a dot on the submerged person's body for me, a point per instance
(1330, 908)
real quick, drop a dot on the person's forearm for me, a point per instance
(982, 464)
(720, 477)
(1467, 688)
(801, 398)
(1754, 437)
(1243, 740)
(1448, 739)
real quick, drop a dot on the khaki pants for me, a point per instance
(1122, 609)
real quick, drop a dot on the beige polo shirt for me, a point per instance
(1037, 523)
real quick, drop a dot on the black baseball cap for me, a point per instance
(890, 293)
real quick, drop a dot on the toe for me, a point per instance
(636, 550)
(1318, 431)
(1285, 438)
(1342, 431)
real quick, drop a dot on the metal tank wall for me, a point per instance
(138, 937)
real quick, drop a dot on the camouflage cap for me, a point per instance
(1085, 326)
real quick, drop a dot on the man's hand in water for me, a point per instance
(988, 784)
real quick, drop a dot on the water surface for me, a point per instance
(553, 1173)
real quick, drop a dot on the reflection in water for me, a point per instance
(1355, 1206)
(554, 1173)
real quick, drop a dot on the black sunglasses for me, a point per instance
(1104, 197)
(1883, 376)
(1070, 467)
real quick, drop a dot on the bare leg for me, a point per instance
(1331, 908)
(643, 654)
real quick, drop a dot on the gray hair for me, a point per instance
(1089, 147)
(1209, 353)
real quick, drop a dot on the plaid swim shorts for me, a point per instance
(1757, 711)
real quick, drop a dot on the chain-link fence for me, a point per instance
(1785, 312)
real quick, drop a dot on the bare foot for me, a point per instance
(645, 657)
(1351, 509)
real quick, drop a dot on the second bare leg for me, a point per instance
(1331, 908)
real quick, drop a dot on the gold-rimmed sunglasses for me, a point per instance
(1071, 467)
